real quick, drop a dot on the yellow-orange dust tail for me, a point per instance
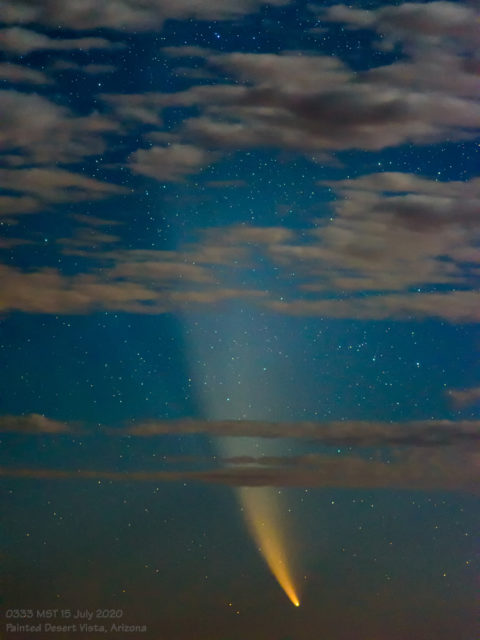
(263, 514)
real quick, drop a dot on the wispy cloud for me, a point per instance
(416, 25)
(420, 433)
(464, 397)
(34, 423)
(40, 131)
(125, 14)
(18, 74)
(415, 471)
(170, 163)
(19, 41)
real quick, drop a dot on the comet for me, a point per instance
(263, 516)
(265, 513)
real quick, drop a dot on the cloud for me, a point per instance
(48, 291)
(14, 205)
(33, 423)
(414, 24)
(168, 271)
(312, 104)
(315, 103)
(171, 163)
(464, 397)
(94, 221)
(424, 455)
(17, 74)
(9, 243)
(249, 234)
(143, 108)
(211, 252)
(226, 184)
(150, 289)
(132, 15)
(397, 236)
(413, 471)
(439, 71)
(90, 69)
(398, 246)
(40, 131)
(51, 186)
(20, 41)
(88, 237)
(454, 307)
(358, 433)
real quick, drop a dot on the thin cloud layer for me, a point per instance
(356, 433)
(415, 471)
(150, 289)
(462, 398)
(454, 307)
(33, 423)
(51, 186)
(421, 455)
(171, 163)
(16, 74)
(125, 14)
(20, 41)
(346, 433)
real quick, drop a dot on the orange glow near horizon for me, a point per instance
(263, 515)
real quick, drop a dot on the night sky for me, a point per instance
(239, 319)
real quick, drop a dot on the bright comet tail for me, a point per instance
(264, 508)
(263, 516)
